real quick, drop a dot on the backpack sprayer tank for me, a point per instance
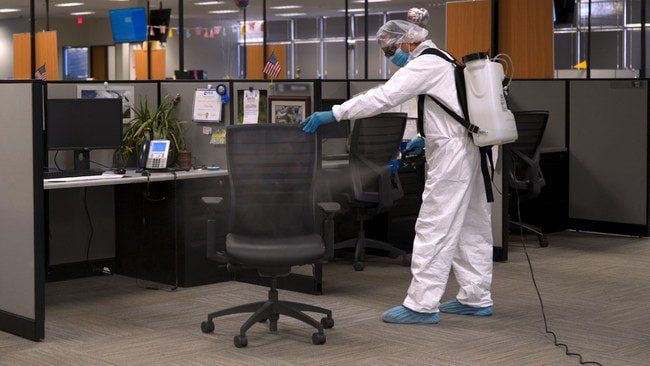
(486, 101)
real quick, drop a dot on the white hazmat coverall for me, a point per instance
(453, 229)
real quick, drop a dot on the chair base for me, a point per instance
(270, 311)
(361, 243)
(535, 230)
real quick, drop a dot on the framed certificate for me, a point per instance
(207, 106)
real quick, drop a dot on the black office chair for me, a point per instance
(272, 171)
(525, 175)
(375, 142)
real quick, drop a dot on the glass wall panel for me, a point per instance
(13, 21)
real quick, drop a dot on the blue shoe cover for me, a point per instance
(455, 307)
(403, 315)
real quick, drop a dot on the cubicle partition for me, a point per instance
(22, 265)
(608, 144)
(198, 135)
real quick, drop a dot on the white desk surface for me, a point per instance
(131, 177)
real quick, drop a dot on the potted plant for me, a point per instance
(158, 124)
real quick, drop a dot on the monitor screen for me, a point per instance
(84, 124)
(129, 25)
(158, 147)
(159, 20)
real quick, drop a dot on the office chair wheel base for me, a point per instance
(543, 242)
(358, 266)
(318, 338)
(262, 321)
(240, 342)
(207, 327)
(327, 323)
(406, 260)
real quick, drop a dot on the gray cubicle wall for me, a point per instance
(22, 246)
(548, 95)
(608, 147)
(197, 142)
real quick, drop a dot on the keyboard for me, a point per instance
(70, 174)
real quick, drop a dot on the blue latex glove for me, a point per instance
(415, 146)
(317, 119)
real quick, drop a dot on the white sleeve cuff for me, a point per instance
(336, 110)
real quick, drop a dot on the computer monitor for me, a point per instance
(83, 125)
(159, 20)
(129, 25)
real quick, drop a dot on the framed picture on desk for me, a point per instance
(288, 110)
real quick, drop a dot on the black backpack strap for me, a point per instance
(487, 164)
(487, 172)
(459, 88)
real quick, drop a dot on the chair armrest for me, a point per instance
(385, 184)
(330, 209)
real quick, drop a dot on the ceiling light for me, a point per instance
(291, 14)
(203, 3)
(352, 10)
(83, 13)
(67, 5)
(9, 10)
(286, 7)
(223, 11)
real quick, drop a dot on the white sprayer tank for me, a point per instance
(486, 101)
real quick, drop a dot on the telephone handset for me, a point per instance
(156, 153)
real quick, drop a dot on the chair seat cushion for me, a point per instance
(271, 251)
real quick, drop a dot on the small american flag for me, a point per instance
(272, 67)
(41, 74)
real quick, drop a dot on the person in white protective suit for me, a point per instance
(453, 229)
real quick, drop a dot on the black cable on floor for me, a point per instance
(539, 296)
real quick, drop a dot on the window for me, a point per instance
(14, 22)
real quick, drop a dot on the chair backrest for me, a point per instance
(525, 174)
(375, 141)
(530, 127)
(272, 170)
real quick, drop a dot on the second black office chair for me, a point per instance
(272, 170)
(525, 175)
(375, 142)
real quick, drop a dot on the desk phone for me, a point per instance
(158, 154)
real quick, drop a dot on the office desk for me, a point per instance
(151, 228)
(131, 177)
(154, 231)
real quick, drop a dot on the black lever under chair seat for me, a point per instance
(525, 175)
(375, 142)
(272, 170)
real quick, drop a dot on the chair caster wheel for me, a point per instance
(207, 326)
(406, 260)
(543, 242)
(358, 266)
(240, 342)
(318, 338)
(327, 323)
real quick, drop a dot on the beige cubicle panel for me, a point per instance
(22, 265)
